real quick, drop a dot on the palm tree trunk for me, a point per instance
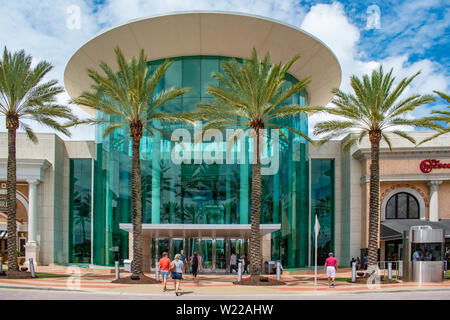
(374, 202)
(11, 201)
(255, 240)
(136, 194)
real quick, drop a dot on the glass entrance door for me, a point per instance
(220, 254)
(175, 247)
(207, 254)
(158, 246)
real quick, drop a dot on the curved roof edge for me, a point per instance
(94, 50)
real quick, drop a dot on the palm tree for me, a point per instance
(373, 108)
(440, 115)
(127, 97)
(251, 96)
(25, 96)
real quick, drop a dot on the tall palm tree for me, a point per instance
(373, 108)
(128, 99)
(440, 115)
(251, 96)
(25, 96)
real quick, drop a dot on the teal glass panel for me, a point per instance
(80, 210)
(322, 205)
(208, 66)
(191, 76)
(197, 192)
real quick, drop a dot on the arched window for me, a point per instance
(402, 206)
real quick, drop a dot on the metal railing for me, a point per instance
(396, 268)
(397, 265)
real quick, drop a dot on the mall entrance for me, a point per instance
(215, 252)
(214, 242)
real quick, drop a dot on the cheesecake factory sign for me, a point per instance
(426, 166)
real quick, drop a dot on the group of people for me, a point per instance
(177, 267)
(357, 261)
(234, 259)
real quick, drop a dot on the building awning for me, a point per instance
(199, 230)
(3, 235)
(393, 229)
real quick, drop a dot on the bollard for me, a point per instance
(33, 275)
(278, 271)
(117, 270)
(239, 271)
(157, 271)
(400, 269)
(354, 272)
(390, 270)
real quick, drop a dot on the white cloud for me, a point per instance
(41, 29)
(331, 24)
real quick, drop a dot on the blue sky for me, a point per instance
(412, 35)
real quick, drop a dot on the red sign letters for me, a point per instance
(429, 164)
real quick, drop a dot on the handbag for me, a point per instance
(172, 267)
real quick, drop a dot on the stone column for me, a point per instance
(32, 247)
(434, 200)
(266, 248)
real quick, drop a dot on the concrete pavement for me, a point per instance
(211, 286)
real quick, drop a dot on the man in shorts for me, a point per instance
(164, 264)
(331, 265)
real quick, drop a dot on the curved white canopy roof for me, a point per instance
(210, 33)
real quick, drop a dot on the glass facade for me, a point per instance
(80, 210)
(322, 204)
(196, 191)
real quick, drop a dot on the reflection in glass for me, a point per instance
(413, 208)
(426, 252)
(80, 211)
(402, 206)
(322, 205)
(390, 209)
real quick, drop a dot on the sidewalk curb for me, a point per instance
(244, 295)
(43, 288)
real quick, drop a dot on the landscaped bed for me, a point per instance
(16, 275)
(363, 280)
(27, 275)
(259, 281)
(142, 280)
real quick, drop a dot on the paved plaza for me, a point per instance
(97, 284)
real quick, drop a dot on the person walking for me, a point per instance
(164, 264)
(200, 263)
(184, 259)
(246, 263)
(331, 265)
(177, 267)
(194, 265)
(358, 263)
(233, 262)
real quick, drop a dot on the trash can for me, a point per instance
(127, 265)
(268, 267)
(423, 254)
